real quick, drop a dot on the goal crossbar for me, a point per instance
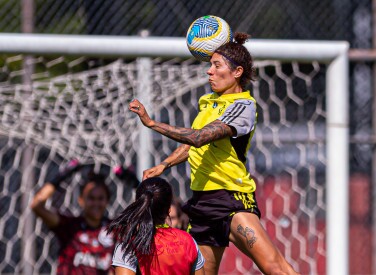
(134, 46)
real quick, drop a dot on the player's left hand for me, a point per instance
(153, 172)
(137, 107)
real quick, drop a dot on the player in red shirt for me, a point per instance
(146, 242)
(85, 247)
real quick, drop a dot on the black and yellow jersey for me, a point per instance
(222, 164)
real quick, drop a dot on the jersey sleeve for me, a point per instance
(118, 259)
(200, 261)
(241, 115)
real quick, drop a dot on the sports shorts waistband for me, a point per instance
(206, 195)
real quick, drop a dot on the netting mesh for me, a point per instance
(77, 107)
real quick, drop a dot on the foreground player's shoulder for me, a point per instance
(182, 234)
(123, 262)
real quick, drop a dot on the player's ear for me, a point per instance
(238, 71)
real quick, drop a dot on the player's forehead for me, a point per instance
(93, 190)
(217, 59)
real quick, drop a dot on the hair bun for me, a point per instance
(241, 37)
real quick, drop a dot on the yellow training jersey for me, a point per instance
(221, 164)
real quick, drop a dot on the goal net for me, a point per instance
(56, 106)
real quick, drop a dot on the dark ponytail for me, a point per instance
(134, 228)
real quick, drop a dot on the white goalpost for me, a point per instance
(334, 55)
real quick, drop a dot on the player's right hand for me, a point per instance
(136, 107)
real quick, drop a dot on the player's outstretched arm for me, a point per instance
(38, 204)
(178, 156)
(213, 131)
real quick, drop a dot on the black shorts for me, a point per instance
(210, 214)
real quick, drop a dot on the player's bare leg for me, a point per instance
(249, 236)
(213, 256)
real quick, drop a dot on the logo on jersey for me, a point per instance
(104, 239)
(87, 259)
(84, 238)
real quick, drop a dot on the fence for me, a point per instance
(326, 19)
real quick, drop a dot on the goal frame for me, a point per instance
(332, 53)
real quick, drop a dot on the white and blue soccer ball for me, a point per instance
(206, 34)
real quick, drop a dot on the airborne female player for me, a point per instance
(223, 207)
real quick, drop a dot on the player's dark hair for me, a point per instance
(99, 180)
(237, 55)
(135, 227)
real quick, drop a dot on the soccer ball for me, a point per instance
(206, 34)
